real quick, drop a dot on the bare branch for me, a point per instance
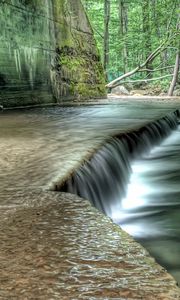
(144, 80)
(152, 56)
(112, 83)
(157, 69)
(163, 46)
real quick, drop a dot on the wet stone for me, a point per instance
(57, 246)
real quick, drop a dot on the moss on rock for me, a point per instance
(47, 48)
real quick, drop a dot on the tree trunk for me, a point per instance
(175, 75)
(106, 33)
(123, 26)
(155, 8)
(147, 33)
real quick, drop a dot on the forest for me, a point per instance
(138, 42)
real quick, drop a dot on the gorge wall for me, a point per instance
(47, 53)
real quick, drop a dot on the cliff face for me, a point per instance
(47, 53)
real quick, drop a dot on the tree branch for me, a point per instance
(143, 80)
(157, 69)
(163, 46)
(150, 58)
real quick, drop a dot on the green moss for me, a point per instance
(30, 32)
(84, 90)
(73, 63)
(83, 72)
(79, 62)
(98, 70)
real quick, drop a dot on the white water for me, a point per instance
(151, 209)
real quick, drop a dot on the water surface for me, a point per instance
(39, 146)
(150, 212)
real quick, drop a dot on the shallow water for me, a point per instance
(150, 212)
(39, 146)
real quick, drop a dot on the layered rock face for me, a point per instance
(47, 53)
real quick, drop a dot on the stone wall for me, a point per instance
(47, 53)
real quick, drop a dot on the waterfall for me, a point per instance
(104, 178)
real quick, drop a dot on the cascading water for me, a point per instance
(80, 247)
(105, 178)
(151, 208)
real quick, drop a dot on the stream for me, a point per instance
(150, 211)
(41, 146)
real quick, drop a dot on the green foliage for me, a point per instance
(161, 21)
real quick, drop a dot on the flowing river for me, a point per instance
(150, 211)
(136, 184)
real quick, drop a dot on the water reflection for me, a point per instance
(151, 209)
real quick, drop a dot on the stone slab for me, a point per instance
(57, 246)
